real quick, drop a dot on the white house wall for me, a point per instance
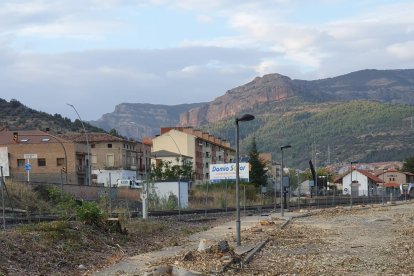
(104, 176)
(356, 176)
(164, 189)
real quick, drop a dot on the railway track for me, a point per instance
(17, 218)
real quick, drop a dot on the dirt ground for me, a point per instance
(362, 241)
(367, 240)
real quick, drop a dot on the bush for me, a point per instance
(89, 213)
(63, 203)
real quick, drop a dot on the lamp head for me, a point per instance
(244, 118)
(285, 147)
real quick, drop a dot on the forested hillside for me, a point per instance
(365, 131)
(16, 116)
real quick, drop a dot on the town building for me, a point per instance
(201, 148)
(360, 183)
(114, 158)
(393, 179)
(37, 156)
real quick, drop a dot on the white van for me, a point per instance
(133, 184)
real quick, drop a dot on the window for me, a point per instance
(20, 162)
(45, 139)
(109, 146)
(41, 162)
(94, 159)
(92, 146)
(206, 164)
(60, 161)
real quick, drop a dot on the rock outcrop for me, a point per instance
(273, 87)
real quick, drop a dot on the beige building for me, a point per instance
(200, 147)
(52, 159)
(114, 158)
(394, 178)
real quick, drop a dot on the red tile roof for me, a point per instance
(370, 176)
(29, 137)
(94, 137)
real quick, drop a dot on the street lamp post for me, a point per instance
(245, 117)
(88, 181)
(145, 192)
(275, 183)
(299, 188)
(281, 182)
(383, 185)
(350, 186)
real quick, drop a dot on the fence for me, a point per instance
(209, 198)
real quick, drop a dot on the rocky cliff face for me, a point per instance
(261, 90)
(392, 86)
(136, 120)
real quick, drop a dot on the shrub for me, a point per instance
(89, 213)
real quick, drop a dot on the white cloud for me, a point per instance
(254, 37)
(204, 18)
(402, 50)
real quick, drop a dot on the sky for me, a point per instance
(96, 54)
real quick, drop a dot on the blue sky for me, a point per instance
(96, 54)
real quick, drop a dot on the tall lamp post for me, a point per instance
(281, 182)
(244, 118)
(88, 182)
(383, 184)
(144, 195)
(275, 183)
(350, 187)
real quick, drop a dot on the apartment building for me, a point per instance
(200, 147)
(41, 157)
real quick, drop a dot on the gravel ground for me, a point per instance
(362, 241)
(367, 240)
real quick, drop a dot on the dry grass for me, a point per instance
(218, 196)
(22, 196)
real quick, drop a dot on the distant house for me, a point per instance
(363, 183)
(393, 178)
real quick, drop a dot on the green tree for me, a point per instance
(408, 164)
(164, 170)
(113, 132)
(258, 173)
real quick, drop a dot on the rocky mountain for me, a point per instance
(391, 86)
(136, 120)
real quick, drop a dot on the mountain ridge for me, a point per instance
(142, 119)
(396, 86)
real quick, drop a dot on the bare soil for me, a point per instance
(73, 248)
(364, 240)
